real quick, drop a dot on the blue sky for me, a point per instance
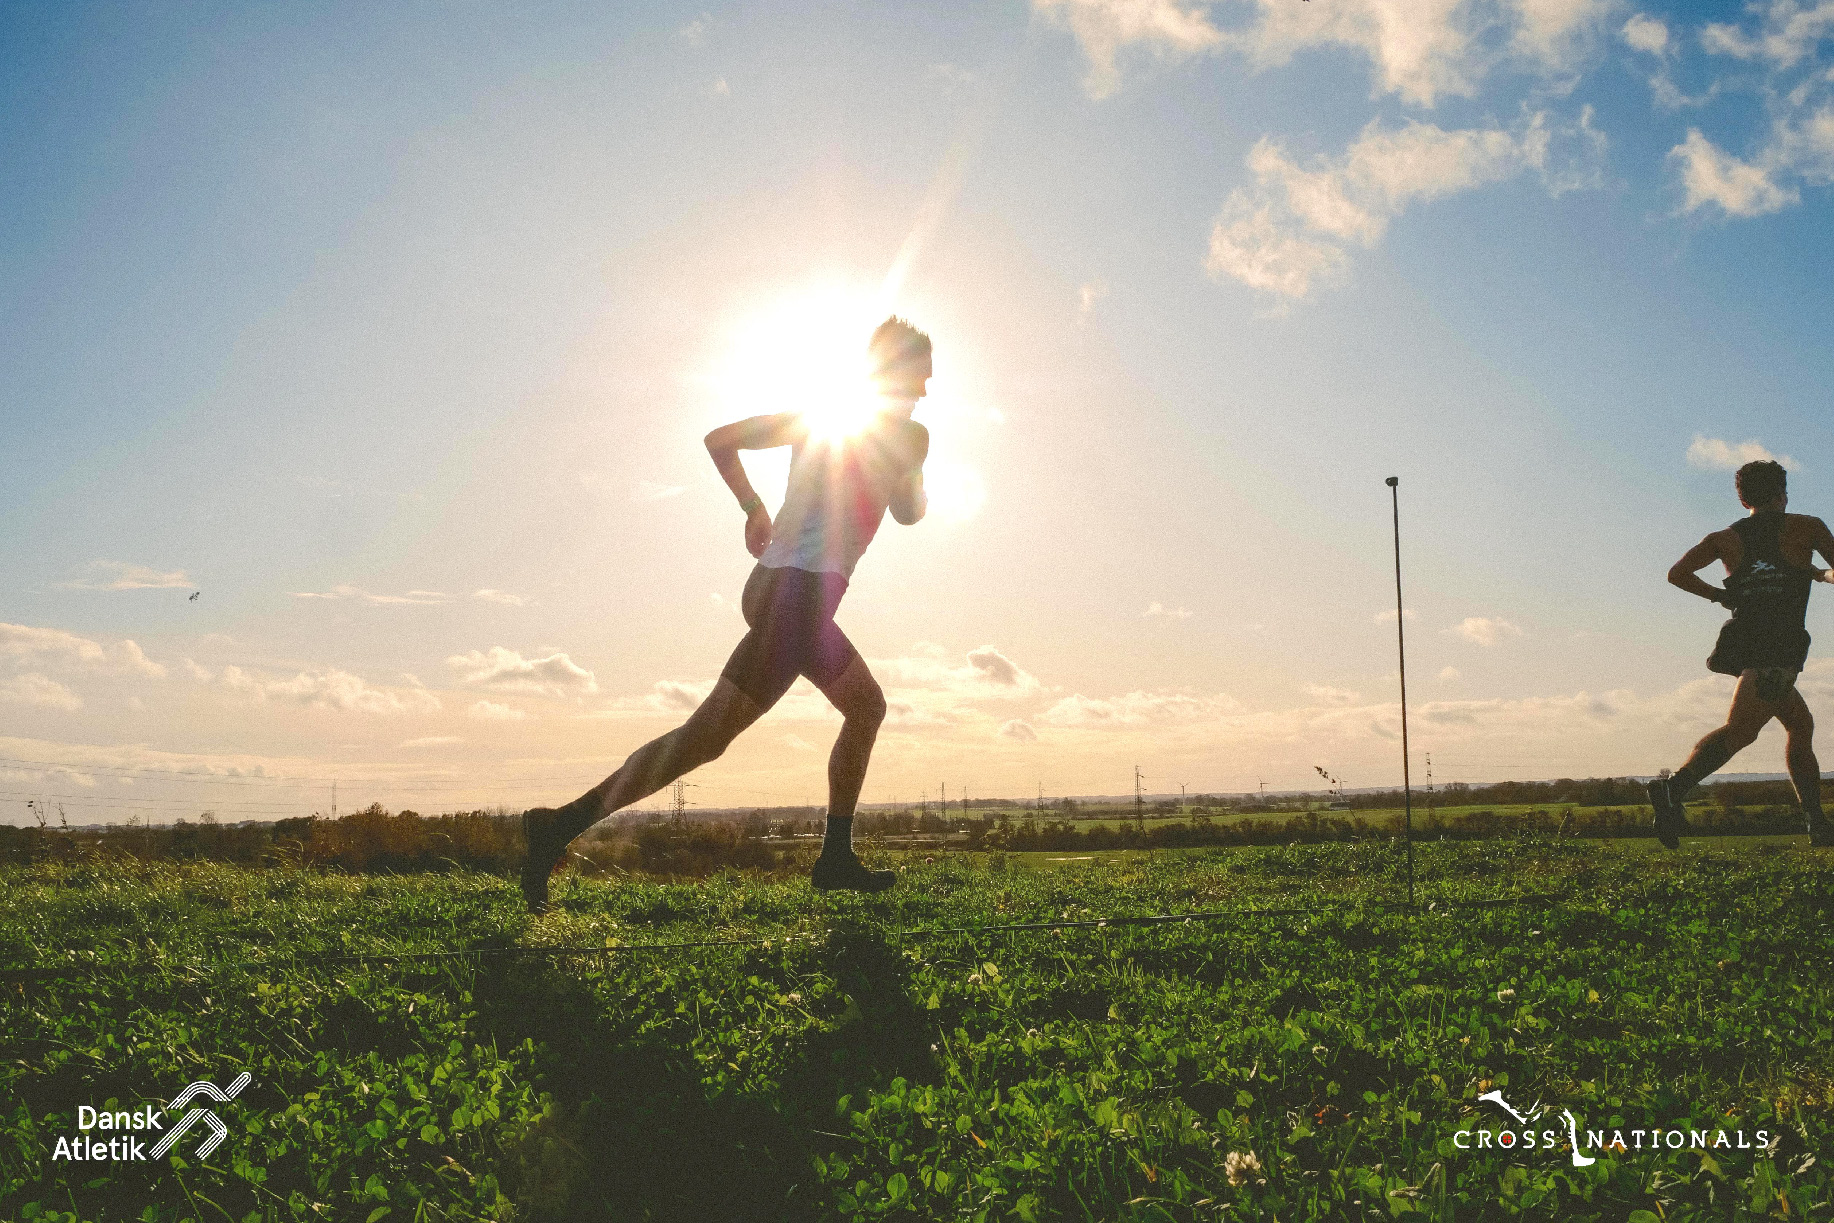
(394, 332)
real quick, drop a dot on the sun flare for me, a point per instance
(805, 352)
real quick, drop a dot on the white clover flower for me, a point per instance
(1239, 1166)
(1504, 995)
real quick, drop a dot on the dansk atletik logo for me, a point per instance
(129, 1146)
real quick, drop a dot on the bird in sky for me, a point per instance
(195, 594)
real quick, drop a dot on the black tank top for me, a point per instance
(1766, 589)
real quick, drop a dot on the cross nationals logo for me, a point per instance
(1528, 1138)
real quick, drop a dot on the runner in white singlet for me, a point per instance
(840, 487)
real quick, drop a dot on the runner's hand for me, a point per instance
(757, 531)
(916, 443)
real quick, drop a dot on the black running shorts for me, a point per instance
(1744, 646)
(791, 616)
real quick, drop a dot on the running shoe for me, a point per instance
(844, 872)
(545, 852)
(1670, 819)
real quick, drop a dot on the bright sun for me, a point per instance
(806, 352)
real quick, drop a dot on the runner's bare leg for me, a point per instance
(706, 734)
(1744, 720)
(856, 694)
(1804, 768)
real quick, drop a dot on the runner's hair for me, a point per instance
(895, 342)
(1761, 481)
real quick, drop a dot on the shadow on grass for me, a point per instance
(636, 1130)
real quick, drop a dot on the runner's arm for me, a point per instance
(753, 433)
(1684, 572)
(1822, 540)
(909, 502)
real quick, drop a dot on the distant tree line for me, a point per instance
(371, 841)
(1569, 792)
(375, 841)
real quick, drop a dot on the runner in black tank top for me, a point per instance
(1766, 642)
(1769, 597)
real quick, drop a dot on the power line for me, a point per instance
(48, 973)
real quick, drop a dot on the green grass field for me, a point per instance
(844, 1070)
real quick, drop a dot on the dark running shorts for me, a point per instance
(1743, 646)
(791, 616)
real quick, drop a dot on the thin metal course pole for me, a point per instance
(1407, 788)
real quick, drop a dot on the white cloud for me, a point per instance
(666, 696)
(1325, 695)
(1554, 33)
(499, 596)
(492, 711)
(1169, 613)
(649, 490)
(432, 741)
(1714, 454)
(988, 663)
(1138, 709)
(1788, 33)
(40, 690)
(1651, 36)
(694, 33)
(364, 596)
(1248, 244)
(67, 762)
(506, 670)
(127, 656)
(1450, 673)
(1485, 630)
(1387, 616)
(1018, 730)
(922, 688)
(24, 643)
(987, 673)
(1797, 86)
(118, 575)
(1102, 28)
(1419, 50)
(1290, 229)
(332, 689)
(1710, 175)
(1647, 34)
(798, 743)
(1800, 146)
